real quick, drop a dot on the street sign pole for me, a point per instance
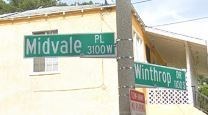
(124, 54)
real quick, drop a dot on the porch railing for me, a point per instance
(201, 101)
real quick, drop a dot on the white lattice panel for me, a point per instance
(171, 96)
(168, 96)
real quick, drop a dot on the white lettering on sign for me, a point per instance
(35, 46)
(100, 49)
(180, 84)
(46, 47)
(54, 47)
(138, 107)
(30, 48)
(64, 48)
(152, 74)
(77, 46)
(100, 44)
(98, 39)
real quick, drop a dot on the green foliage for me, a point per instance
(203, 98)
(203, 85)
(202, 80)
(22, 5)
(4, 8)
(204, 89)
(87, 3)
(83, 3)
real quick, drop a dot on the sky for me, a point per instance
(95, 1)
(157, 12)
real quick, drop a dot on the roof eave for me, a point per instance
(168, 35)
(57, 13)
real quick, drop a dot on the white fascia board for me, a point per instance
(170, 35)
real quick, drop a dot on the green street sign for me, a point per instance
(159, 76)
(91, 45)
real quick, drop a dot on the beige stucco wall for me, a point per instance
(172, 109)
(82, 86)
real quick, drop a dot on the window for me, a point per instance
(148, 53)
(138, 48)
(42, 64)
(154, 59)
(45, 32)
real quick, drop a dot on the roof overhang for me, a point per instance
(61, 10)
(171, 47)
(53, 11)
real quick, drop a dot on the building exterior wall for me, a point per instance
(174, 109)
(87, 86)
(81, 86)
(161, 101)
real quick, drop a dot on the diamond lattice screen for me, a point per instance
(171, 96)
(168, 96)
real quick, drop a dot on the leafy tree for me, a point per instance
(203, 85)
(90, 2)
(22, 5)
(202, 80)
(204, 89)
(83, 3)
(4, 8)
